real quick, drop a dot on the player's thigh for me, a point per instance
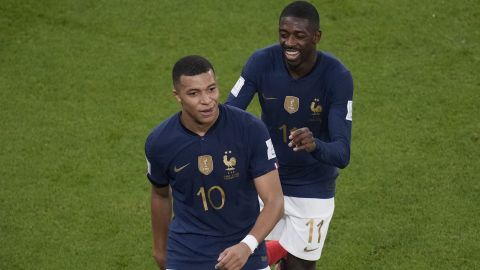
(306, 226)
(266, 268)
(293, 262)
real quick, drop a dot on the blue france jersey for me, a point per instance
(321, 101)
(214, 198)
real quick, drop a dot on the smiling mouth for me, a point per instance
(291, 54)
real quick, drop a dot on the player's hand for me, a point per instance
(234, 257)
(302, 139)
(160, 259)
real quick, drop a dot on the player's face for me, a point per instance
(198, 96)
(298, 40)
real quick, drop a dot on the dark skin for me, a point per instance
(299, 39)
(292, 263)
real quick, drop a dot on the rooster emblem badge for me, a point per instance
(315, 107)
(229, 162)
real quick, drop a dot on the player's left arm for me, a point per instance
(263, 167)
(335, 152)
(270, 191)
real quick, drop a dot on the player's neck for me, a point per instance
(303, 69)
(195, 126)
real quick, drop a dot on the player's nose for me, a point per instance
(205, 98)
(290, 41)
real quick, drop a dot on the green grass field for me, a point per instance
(82, 83)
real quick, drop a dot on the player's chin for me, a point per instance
(206, 117)
(293, 64)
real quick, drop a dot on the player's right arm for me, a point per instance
(161, 213)
(241, 94)
(245, 88)
(160, 201)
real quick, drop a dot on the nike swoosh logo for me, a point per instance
(181, 168)
(309, 250)
(268, 98)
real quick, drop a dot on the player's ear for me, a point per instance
(175, 93)
(317, 36)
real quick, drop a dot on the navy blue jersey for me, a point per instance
(215, 202)
(321, 101)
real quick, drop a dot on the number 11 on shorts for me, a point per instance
(311, 225)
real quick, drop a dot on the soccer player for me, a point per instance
(306, 99)
(214, 161)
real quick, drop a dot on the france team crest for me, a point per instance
(205, 164)
(291, 104)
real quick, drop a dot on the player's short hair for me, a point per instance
(304, 10)
(190, 65)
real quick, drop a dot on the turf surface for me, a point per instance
(82, 83)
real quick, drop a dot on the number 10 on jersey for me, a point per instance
(208, 195)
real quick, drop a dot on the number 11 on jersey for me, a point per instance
(284, 130)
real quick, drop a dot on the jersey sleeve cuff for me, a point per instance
(153, 182)
(318, 149)
(263, 172)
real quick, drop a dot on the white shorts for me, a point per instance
(303, 228)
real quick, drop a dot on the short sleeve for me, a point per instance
(155, 173)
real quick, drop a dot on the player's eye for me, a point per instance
(192, 94)
(300, 36)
